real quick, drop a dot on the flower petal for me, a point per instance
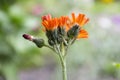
(82, 34)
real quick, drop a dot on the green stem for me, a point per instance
(63, 63)
(64, 71)
(49, 47)
(61, 54)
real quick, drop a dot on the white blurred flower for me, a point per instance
(104, 22)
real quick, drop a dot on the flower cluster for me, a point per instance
(61, 32)
(64, 29)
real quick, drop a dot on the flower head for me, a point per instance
(62, 21)
(77, 23)
(49, 23)
(80, 19)
(52, 23)
(59, 30)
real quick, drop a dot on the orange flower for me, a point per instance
(63, 20)
(82, 34)
(71, 27)
(46, 17)
(62, 31)
(52, 23)
(80, 20)
(49, 23)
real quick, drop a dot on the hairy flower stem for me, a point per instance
(61, 53)
(49, 47)
(63, 62)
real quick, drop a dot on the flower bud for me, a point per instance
(73, 32)
(28, 37)
(39, 42)
(51, 43)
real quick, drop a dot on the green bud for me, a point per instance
(73, 32)
(39, 42)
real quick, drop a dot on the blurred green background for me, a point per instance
(87, 59)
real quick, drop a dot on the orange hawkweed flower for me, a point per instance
(63, 20)
(50, 24)
(80, 21)
(64, 29)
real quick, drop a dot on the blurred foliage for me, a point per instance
(99, 51)
(4, 4)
